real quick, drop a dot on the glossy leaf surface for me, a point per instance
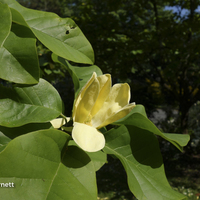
(137, 118)
(61, 36)
(139, 153)
(5, 22)
(18, 57)
(29, 104)
(33, 163)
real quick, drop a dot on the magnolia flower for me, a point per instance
(97, 105)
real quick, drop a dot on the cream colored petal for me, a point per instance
(81, 94)
(88, 137)
(118, 97)
(105, 87)
(87, 102)
(120, 93)
(57, 123)
(118, 115)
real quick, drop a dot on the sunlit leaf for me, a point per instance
(138, 150)
(61, 35)
(83, 177)
(29, 104)
(137, 119)
(98, 159)
(5, 22)
(33, 163)
(18, 57)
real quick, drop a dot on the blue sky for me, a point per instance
(183, 11)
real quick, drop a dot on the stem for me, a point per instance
(64, 116)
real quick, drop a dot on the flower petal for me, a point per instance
(87, 101)
(81, 94)
(88, 137)
(57, 123)
(118, 115)
(118, 97)
(119, 94)
(105, 87)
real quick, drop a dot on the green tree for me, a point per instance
(155, 50)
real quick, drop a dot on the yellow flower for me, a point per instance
(97, 105)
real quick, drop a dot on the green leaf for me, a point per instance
(18, 57)
(83, 174)
(181, 139)
(5, 22)
(13, 132)
(33, 163)
(80, 75)
(3, 141)
(138, 119)
(98, 158)
(138, 151)
(18, 18)
(29, 104)
(61, 36)
(137, 109)
(84, 74)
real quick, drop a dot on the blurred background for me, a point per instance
(155, 47)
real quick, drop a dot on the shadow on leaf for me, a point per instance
(145, 147)
(75, 157)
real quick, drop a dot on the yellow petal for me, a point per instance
(81, 94)
(57, 123)
(119, 94)
(88, 137)
(105, 87)
(118, 115)
(118, 97)
(87, 102)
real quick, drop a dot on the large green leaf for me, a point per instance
(5, 22)
(18, 57)
(29, 104)
(137, 118)
(80, 75)
(34, 163)
(61, 36)
(138, 150)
